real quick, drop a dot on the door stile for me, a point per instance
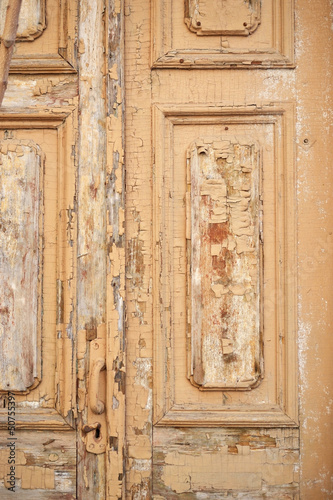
(115, 249)
(91, 257)
(101, 252)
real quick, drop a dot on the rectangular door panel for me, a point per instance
(46, 36)
(37, 365)
(225, 350)
(222, 34)
(22, 195)
(223, 262)
(229, 387)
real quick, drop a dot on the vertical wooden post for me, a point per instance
(115, 288)
(91, 285)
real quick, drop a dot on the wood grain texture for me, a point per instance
(237, 34)
(44, 468)
(224, 259)
(47, 42)
(91, 247)
(177, 401)
(21, 263)
(222, 17)
(45, 460)
(32, 19)
(235, 463)
(115, 291)
(139, 273)
(199, 444)
(7, 43)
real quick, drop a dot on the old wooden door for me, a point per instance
(61, 197)
(221, 230)
(229, 231)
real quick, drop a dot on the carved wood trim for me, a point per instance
(57, 408)
(22, 265)
(62, 61)
(44, 419)
(29, 35)
(224, 246)
(195, 21)
(281, 410)
(166, 53)
(31, 118)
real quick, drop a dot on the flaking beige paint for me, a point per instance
(182, 457)
(180, 442)
(223, 257)
(22, 166)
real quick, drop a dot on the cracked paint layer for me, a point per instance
(188, 463)
(115, 287)
(91, 245)
(138, 252)
(21, 194)
(222, 17)
(244, 463)
(44, 466)
(32, 20)
(224, 254)
(223, 34)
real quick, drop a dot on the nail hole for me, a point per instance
(244, 24)
(181, 60)
(198, 23)
(226, 128)
(306, 141)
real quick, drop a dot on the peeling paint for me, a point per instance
(20, 240)
(222, 17)
(199, 462)
(32, 20)
(225, 258)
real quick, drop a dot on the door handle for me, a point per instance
(96, 405)
(92, 427)
(95, 430)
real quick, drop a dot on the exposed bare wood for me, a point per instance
(48, 405)
(175, 403)
(7, 43)
(92, 252)
(223, 253)
(32, 19)
(115, 291)
(234, 17)
(206, 240)
(56, 50)
(224, 459)
(210, 104)
(45, 466)
(22, 193)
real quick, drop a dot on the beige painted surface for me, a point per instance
(225, 140)
(224, 259)
(32, 19)
(21, 223)
(74, 343)
(197, 450)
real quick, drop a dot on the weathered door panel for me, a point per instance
(227, 138)
(38, 268)
(228, 251)
(62, 230)
(38, 281)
